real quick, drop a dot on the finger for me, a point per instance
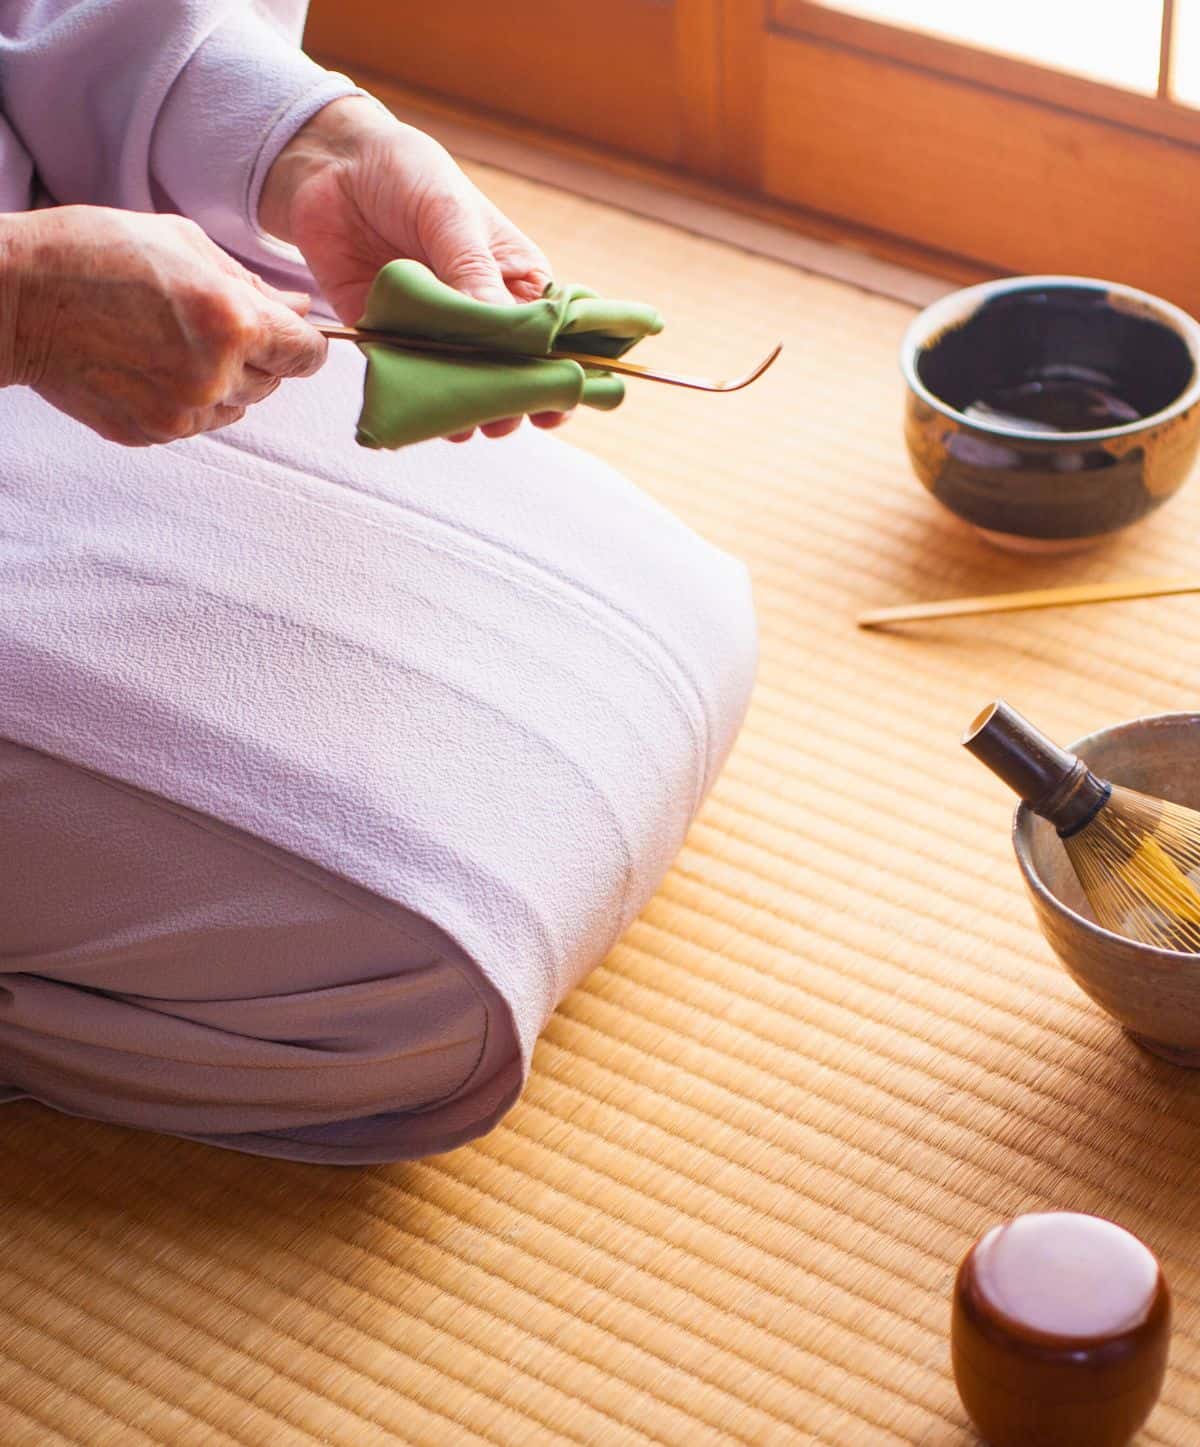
(525, 288)
(113, 424)
(286, 345)
(461, 254)
(547, 420)
(176, 428)
(501, 429)
(526, 279)
(252, 386)
(522, 264)
(221, 416)
(297, 301)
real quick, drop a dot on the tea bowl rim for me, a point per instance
(958, 306)
(1023, 817)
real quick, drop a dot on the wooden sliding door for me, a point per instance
(987, 156)
(1032, 135)
(634, 75)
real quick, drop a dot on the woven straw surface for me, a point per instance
(757, 1141)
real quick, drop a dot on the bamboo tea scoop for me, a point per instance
(585, 359)
(1024, 602)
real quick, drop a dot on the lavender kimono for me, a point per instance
(324, 773)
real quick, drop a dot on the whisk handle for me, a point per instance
(1054, 783)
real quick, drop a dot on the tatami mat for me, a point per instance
(758, 1140)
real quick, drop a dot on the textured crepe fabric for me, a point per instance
(161, 969)
(484, 687)
(411, 396)
(488, 684)
(156, 106)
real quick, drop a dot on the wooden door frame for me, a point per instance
(1156, 115)
(717, 112)
(699, 43)
(873, 117)
(681, 80)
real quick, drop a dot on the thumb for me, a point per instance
(463, 259)
(285, 345)
(298, 301)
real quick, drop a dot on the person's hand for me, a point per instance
(355, 188)
(140, 326)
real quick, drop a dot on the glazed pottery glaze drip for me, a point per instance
(1137, 858)
(1049, 412)
(1058, 360)
(1054, 405)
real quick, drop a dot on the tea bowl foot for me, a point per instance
(1175, 1054)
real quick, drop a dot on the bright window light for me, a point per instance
(1185, 53)
(1115, 42)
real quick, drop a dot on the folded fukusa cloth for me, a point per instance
(412, 396)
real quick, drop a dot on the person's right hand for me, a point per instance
(139, 326)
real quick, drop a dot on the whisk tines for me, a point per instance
(1136, 863)
(1136, 857)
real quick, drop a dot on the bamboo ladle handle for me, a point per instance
(1072, 597)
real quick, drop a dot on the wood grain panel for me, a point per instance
(991, 176)
(739, 217)
(743, 99)
(607, 73)
(887, 132)
(697, 65)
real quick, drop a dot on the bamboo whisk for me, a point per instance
(1137, 858)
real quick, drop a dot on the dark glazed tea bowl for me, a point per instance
(1051, 411)
(1154, 993)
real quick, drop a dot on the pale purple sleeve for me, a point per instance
(162, 105)
(16, 171)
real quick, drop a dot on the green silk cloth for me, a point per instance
(411, 396)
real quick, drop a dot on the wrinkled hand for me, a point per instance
(355, 188)
(140, 326)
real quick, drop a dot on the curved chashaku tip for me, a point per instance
(676, 379)
(756, 373)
